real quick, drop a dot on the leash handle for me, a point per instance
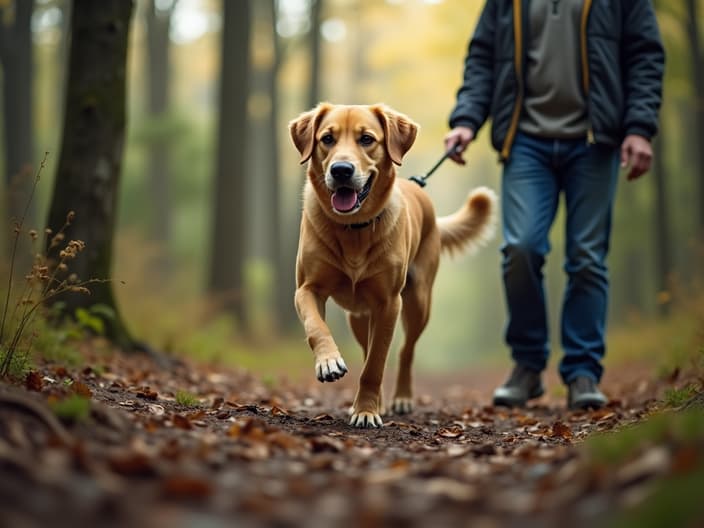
(420, 180)
(455, 149)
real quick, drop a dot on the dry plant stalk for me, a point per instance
(42, 283)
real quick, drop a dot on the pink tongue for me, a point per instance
(344, 199)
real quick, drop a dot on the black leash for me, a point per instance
(420, 180)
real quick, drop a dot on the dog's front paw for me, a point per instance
(366, 419)
(402, 405)
(330, 369)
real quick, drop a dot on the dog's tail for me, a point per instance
(473, 225)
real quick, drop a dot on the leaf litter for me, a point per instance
(283, 453)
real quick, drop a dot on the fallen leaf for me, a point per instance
(450, 432)
(147, 394)
(560, 430)
(183, 487)
(34, 381)
(181, 422)
(81, 389)
(278, 411)
(132, 465)
(323, 418)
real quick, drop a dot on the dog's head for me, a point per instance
(351, 152)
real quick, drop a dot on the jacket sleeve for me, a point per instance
(474, 96)
(643, 59)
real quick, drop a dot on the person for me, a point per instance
(573, 87)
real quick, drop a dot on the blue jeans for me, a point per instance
(537, 171)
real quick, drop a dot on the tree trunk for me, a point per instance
(315, 52)
(226, 280)
(663, 257)
(158, 76)
(284, 234)
(16, 59)
(697, 68)
(88, 174)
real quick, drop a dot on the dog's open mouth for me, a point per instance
(348, 200)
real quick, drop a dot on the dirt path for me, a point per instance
(283, 454)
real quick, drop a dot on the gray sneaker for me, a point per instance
(524, 384)
(583, 394)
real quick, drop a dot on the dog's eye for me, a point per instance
(327, 139)
(366, 140)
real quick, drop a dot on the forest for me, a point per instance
(150, 351)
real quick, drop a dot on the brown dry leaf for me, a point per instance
(131, 465)
(285, 441)
(601, 415)
(181, 422)
(183, 487)
(34, 381)
(560, 430)
(526, 420)
(147, 394)
(323, 418)
(278, 411)
(198, 415)
(320, 444)
(81, 389)
(454, 431)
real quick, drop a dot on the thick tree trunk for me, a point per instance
(663, 256)
(158, 76)
(228, 244)
(284, 234)
(16, 59)
(88, 175)
(697, 68)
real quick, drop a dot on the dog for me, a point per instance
(371, 241)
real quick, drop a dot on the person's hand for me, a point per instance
(459, 136)
(636, 153)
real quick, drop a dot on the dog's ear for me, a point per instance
(399, 131)
(303, 129)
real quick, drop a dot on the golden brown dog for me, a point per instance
(371, 242)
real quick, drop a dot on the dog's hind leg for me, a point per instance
(360, 328)
(415, 315)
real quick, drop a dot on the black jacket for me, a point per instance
(622, 59)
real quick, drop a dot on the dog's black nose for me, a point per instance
(342, 171)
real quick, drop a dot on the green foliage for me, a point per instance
(17, 364)
(675, 397)
(677, 427)
(186, 399)
(73, 408)
(675, 501)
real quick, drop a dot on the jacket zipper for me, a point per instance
(518, 52)
(585, 67)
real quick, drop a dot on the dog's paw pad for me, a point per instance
(402, 405)
(366, 419)
(331, 369)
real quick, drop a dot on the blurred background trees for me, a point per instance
(209, 198)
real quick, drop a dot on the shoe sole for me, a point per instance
(509, 402)
(587, 404)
